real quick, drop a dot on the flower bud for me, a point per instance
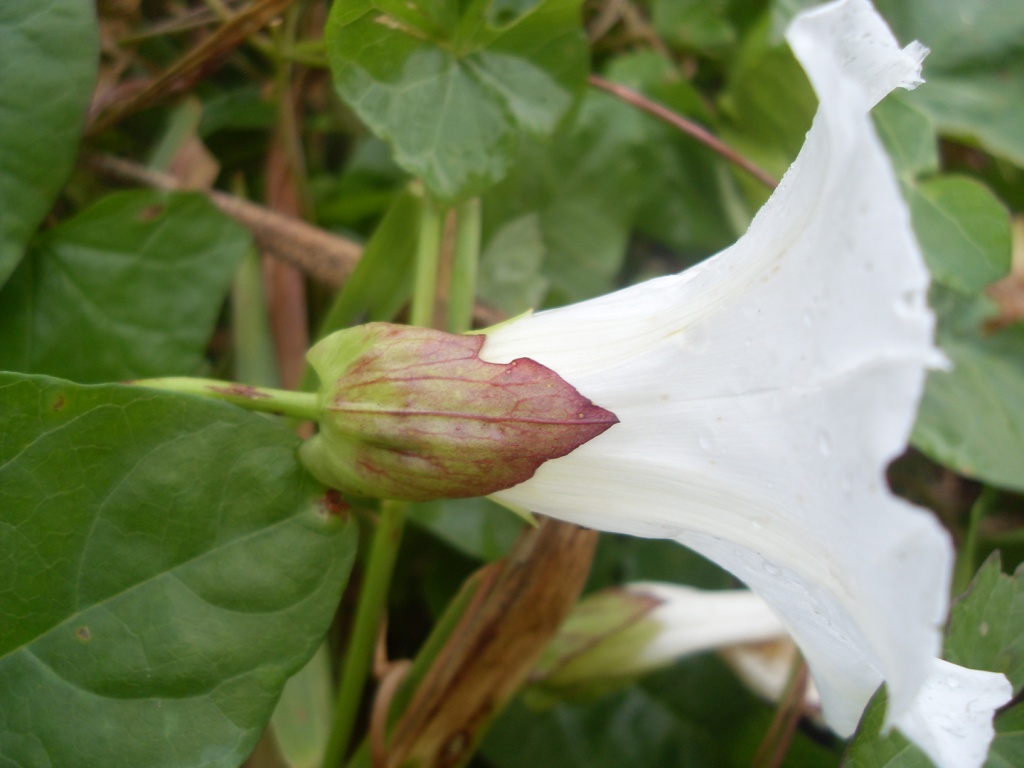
(599, 647)
(414, 414)
(616, 635)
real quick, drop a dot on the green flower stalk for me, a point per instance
(414, 414)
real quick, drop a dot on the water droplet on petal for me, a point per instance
(697, 339)
(706, 441)
(824, 443)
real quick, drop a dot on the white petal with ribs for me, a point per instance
(762, 393)
(693, 620)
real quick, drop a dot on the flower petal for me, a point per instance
(951, 719)
(762, 393)
(694, 620)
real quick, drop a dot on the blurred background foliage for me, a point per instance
(581, 193)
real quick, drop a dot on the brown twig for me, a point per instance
(325, 256)
(685, 125)
(192, 66)
(495, 645)
(390, 682)
(779, 736)
(607, 17)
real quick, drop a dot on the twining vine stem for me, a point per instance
(685, 125)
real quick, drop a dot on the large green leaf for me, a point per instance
(48, 55)
(975, 72)
(964, 232)
(451, 87)
(167, 565)
(971, 417)
(129, 288)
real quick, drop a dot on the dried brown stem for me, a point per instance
(522, 601)
(779, 736)
(325, 256)
(386, 690)
(191, 67)
(685, 125)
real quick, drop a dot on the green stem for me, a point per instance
(298, 405)
(255, 362)
(967, 556)
(372, 601)
(424, 295)
(462, 291)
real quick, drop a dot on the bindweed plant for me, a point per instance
(332, 333)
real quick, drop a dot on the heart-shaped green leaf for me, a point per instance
(971, 417)
(964, 232)
(450, 89)
(129, 288)
(48, 55)
(975, 72)
(167, 565)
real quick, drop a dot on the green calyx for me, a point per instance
(414, 414)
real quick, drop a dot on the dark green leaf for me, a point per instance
(48, 55)
(971, 418)
(626, 729)
(1008, 746)
(450, 91)
(986, 626)
(964, 232)
(168, 564)
(700, 25)
(129, 288)
(685, 183)
(871, 749)
(476, 527)
(768, 103)
(695, 713)
(585, 189)
(621, 559)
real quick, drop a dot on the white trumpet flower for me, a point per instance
(950, 718)
(762, 393)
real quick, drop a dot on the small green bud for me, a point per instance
(414, 414)
(600, 646)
